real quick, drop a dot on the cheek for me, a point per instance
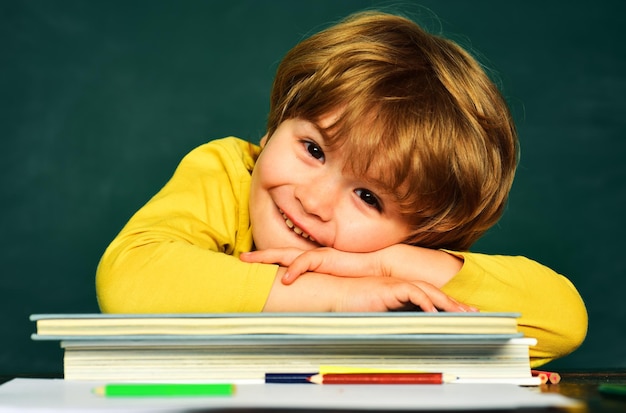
(268, 171)
(367, 236)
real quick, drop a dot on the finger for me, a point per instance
(442, 301)
(405, 294)
(326, 261)
(307, 261)
(459, 307)
(418, 297)
(288, 277)
(281, 256)
(462, 307)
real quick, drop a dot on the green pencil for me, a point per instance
(165, 390)
(613, 389)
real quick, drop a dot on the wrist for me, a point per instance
(309, 293)
(413, 263)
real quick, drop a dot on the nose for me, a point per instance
(319, 196)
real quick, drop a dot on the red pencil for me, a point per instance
(547, 376)
(380, 378)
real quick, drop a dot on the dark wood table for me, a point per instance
(583, 385)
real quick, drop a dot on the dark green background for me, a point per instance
(101, 99)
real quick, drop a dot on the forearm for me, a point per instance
(324, 292)
(306, 295)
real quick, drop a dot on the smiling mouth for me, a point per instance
(296, 229)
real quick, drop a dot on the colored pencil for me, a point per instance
(165, 390)
(381, 378)
(547, 376)
(613, 389)
(288, 377)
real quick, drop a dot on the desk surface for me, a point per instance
(578, 385)
(584, 386)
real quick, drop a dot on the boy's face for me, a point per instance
(303, 197)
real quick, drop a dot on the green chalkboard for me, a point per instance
(101, 99)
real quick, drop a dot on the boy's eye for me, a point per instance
(314, 150)
(369, 198)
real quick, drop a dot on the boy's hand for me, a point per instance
(321, 260)
(388, 294)
(322, 292)
(401, 261)
(388, 279)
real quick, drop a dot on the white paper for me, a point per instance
(56, 395)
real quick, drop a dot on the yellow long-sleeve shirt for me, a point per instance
(179, 253)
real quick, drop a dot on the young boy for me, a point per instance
(388, 153)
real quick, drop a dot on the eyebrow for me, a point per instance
(378, 186)
(322, 131)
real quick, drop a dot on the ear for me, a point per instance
(264, 140)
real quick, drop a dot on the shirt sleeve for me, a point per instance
(179, 253)
(551, 308)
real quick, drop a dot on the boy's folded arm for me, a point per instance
(405, 262)
(178, 253)
(552, 310)
(167, 275)
(324, 292)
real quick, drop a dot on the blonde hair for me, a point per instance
(415, 108)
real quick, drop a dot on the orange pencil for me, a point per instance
(542, 376)
(381, 378)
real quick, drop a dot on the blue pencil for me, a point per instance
(288, 377)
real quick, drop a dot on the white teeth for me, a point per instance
(295, 229)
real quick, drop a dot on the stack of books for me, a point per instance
(244, 347)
